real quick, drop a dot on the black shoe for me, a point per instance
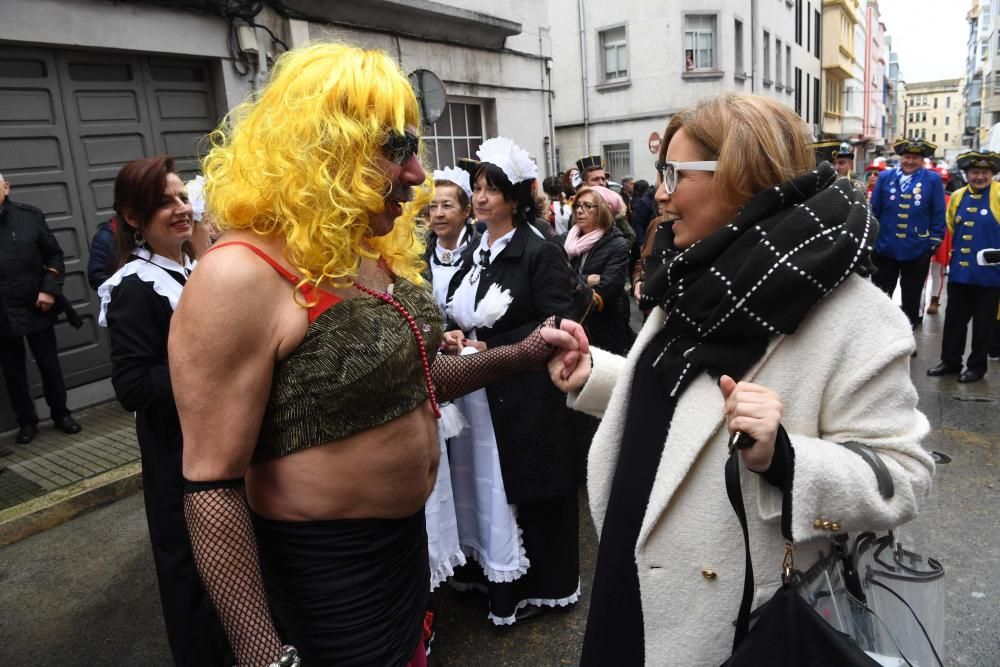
(67, 425)
(26, 434)
(971, 376)
(529, 613)
(944, 369)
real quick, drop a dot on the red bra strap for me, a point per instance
(285, 273)
(324, 300)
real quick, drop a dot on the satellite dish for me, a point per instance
(430, 94)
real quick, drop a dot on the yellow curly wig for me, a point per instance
(299, 161)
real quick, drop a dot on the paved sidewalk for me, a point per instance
(58, 476)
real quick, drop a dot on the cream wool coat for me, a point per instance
(842, 377)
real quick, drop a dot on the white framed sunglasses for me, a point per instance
(668, 171)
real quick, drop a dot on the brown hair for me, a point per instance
(757, 141)
(605, 219)
(567, 183)
(138, 193)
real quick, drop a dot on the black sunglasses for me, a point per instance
(399, 148)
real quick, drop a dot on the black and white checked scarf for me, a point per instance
(728, 294)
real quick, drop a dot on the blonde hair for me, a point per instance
(757, 141)
(301, 161)
(605, 218)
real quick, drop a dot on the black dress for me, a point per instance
(138, 320)
(614, 625)
(531, 425)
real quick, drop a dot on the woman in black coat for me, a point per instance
(137, 302)
(516, 281)
(600, 254)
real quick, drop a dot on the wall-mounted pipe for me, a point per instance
(583, 68)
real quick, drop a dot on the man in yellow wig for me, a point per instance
(304, 364)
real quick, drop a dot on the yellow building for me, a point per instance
(843, 68)
(934, 112)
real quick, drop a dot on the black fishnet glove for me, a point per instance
(225, 551)
(456, 375)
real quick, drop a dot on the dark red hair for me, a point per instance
(138, 194)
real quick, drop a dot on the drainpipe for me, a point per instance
(753, 46)
(583, 68)
(552, 122)
(546, 64)
(261, 56)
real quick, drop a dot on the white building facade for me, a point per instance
(989, 66)
(618, 76)
(876, 91)
(972, 103)
(895, 90)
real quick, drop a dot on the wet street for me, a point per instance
(84, 593)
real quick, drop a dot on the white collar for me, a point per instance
(497, 247)
(449, 257)
(165, 262)
(151, 269)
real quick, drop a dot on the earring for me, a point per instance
(140, 242)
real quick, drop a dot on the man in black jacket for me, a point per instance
(31, 276)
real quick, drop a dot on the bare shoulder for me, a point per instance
(235, 302)
(235, 318)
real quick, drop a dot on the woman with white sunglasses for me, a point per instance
(763, 324)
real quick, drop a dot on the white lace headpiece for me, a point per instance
(513, 160)
(196, 195)
(459, 177)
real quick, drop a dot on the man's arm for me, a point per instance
(951, 209)
(222, 350)
(52, 258)
(876, 201)
(937, 224)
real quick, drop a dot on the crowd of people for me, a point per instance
(378, 380)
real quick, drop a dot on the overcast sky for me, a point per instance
(930, 37)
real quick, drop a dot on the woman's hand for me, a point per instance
(453, 341)
(569, 367)
(637, 289)
(569, 371)
(756, 411)
(593, 279)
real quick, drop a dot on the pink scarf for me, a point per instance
(577, 245)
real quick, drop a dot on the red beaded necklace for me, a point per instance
(412, 323)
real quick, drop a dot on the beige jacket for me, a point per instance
(843, 376)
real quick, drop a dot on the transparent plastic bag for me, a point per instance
(907, 591)
(882, 625)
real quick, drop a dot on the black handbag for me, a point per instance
(787, 631)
